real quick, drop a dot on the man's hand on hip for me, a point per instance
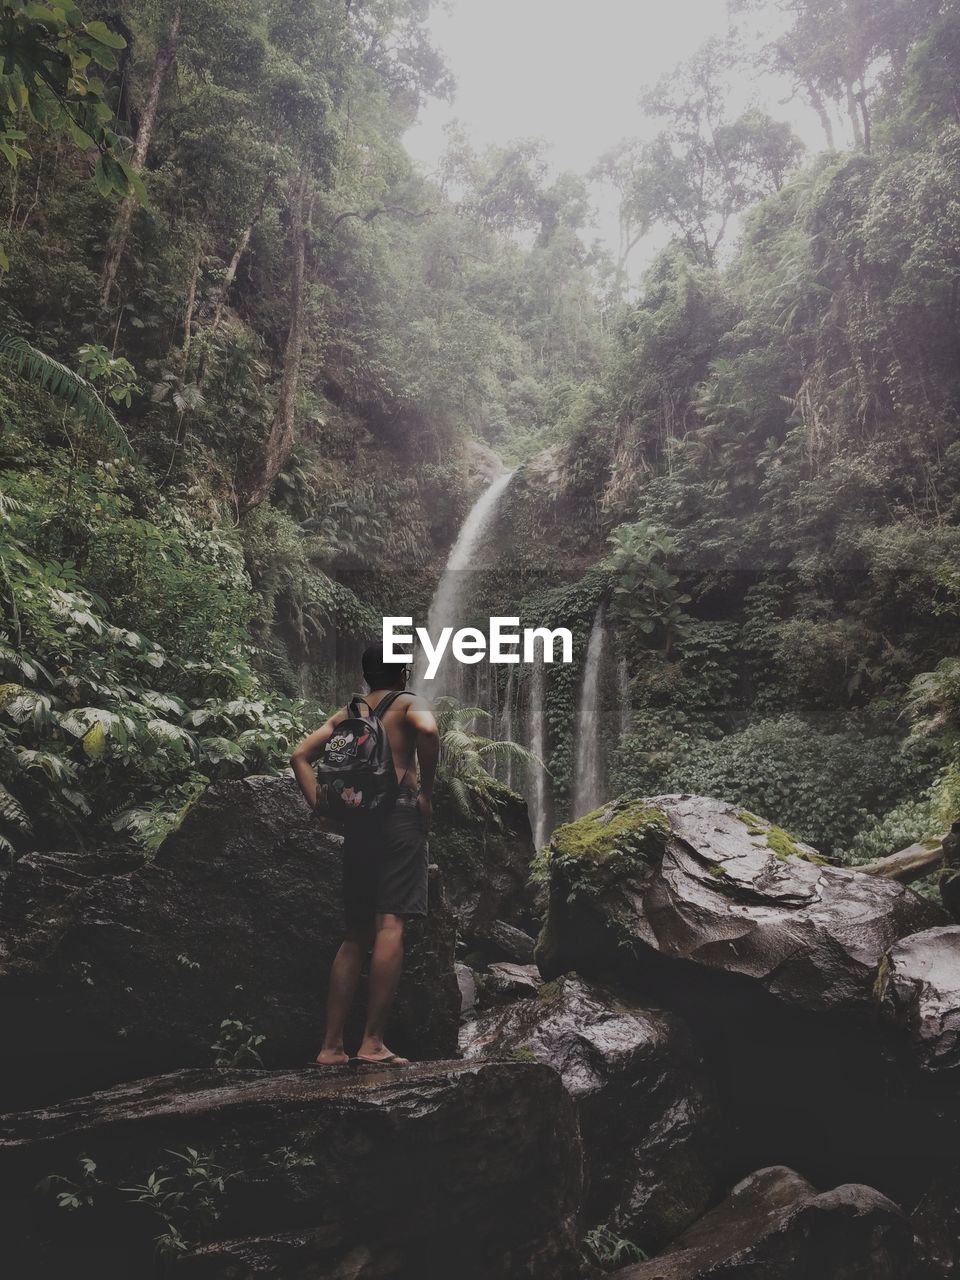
(425, 805)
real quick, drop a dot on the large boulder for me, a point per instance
(919, 990)
(106, 977)
(702, 881)
(643, 1103)
(771, 955)
(776, 1226)
(444, 1169)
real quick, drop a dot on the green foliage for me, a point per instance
(468, 760)
(789, 768)
(645, 594)
(72, 389)
(103, 729)
(237, 1045)
(48, 52)
(602, 1247)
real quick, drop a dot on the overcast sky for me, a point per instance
(571, 71)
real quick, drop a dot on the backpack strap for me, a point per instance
(354, 705)
(385, 703)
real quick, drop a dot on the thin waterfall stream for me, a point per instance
(588, 777)
(537, 737)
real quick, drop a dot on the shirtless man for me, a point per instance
(384, 860)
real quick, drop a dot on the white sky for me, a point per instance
(571, 71)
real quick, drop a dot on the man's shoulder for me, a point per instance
(417, 704)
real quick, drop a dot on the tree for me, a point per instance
(46, 55)
(702, 168)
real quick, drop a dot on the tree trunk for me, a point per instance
(909, 864)
(188, 313)
(853, 111)
(121, 228)
(231, 273)
(229, 278)
(819, 106)
(279, 441)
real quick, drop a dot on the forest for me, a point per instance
(260, 375)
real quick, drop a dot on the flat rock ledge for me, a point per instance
(448, 1168)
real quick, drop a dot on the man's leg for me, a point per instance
(386, 965)
(344, 976)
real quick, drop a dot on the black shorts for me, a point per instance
(385, 864)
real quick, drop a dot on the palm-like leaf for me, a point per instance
(66, 385)
(468, 758)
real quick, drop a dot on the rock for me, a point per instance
(919, 990)
(466, 1169)
(771, 956)
(486, 868)
(504, 982)
(501, 941)
(640, 1094)
(776, 1226)
(700, 881)
(950, 880)
(936, 1224)
(105, 978)
(467, 983)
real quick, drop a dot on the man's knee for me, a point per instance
(389, 923)
(362, 938)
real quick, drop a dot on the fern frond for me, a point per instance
(62, 382)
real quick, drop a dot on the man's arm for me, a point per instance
(422, 719)
(301, 762)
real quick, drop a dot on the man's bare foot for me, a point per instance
(332, 1058)
(380, 1055)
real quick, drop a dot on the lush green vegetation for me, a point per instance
(245, 350)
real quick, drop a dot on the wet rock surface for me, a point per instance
(722, 889)
(772, 959)
(503, 982)
(919, 990)
(466, 1169)
(109, 977)
(643, 1103)
(485, 873)
(776, 1226)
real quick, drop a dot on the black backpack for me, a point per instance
(357, 762)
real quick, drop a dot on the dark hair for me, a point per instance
(378, 673)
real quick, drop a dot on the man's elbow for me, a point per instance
(297, 757)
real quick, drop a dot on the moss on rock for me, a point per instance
(626, 829)
(780, 843)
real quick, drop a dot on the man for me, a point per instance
(384, 859)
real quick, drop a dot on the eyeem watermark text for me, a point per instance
(503, 643)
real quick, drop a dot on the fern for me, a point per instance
(63, 383)
(468, 758)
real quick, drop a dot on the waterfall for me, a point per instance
(588, 777)
(505, 726)
(450, 595)
(623, 690)
(537, 738)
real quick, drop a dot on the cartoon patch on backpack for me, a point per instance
(337, 748)
(350, 796)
